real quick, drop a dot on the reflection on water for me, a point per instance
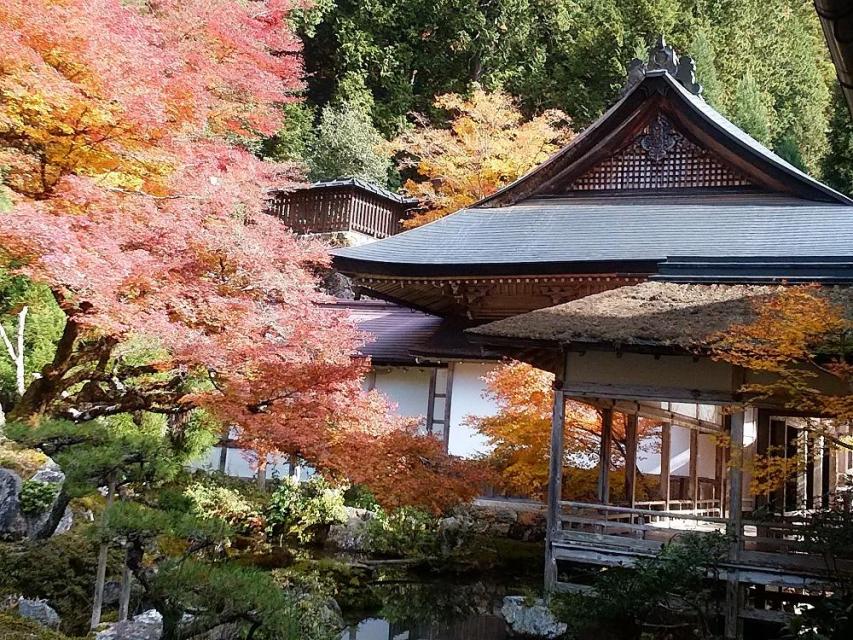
(475, 627)
(434, 610)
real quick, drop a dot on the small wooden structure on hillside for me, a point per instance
(342, 206)
(660, 223)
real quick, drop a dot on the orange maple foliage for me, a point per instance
(124, 137)
(487, 146)
(801, 341)
(520, 433)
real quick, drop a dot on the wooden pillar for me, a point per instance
(735, 596)
(555, 483)
(810, 470)
(693, 469)
(736, 485)
(825, 488)
(665, 456)
(224, 440)
(734, 590)
(719, 466)
(448, 396)
(604, 457)
(631, 444)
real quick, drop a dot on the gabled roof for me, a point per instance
(661, 174)
(364, 185)
(661, 94)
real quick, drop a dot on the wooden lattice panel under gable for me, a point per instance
(659, 158)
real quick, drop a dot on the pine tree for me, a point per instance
(750, 110)
(347, 144)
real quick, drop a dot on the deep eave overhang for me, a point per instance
(836, 18)
(371, 268)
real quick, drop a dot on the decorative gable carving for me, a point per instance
(659, 158)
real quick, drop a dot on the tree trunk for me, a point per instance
(16, 353)
(124, 594)
(103, 551)
(44, 390)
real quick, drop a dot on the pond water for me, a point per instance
(476, 627)
(435, 611)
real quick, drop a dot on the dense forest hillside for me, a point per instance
(376, 62)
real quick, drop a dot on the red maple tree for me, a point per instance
(125, 131)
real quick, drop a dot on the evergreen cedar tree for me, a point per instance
(797, 335)
(520, 434)
(487, 145)
(395, 57)
(133, 197)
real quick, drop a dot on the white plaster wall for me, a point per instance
(468, 399)
(406, 387)
(237, 464)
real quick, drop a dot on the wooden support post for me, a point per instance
(262, 474)
(734, 590)
(631, 444)
(719, 466)
(735, 593)
(811, 452)
(223, 449)
(736, 485)
(604, 457)
(693, 470)
(825, 488)
(555, 483)
(448, 396)
(665, 456)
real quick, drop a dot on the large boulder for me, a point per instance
(44, 524)
(15, 524)
(148, 625)
(531, 620)
(39, 611)
(351, 535)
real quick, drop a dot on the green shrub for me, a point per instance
(304, 510)
(406, 532)
(61, 570)
(209, 500)
(673, 586)
(25, 462)
(14, 627)
(359, 497)
(36, 496)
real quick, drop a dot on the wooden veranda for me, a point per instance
(769, 558)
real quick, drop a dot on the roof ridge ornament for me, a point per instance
(663, 57)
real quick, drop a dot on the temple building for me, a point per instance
(610, 265)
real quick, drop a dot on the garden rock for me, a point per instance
(65, 522)
(531, 620)
(39, 611)
(43, 525)
(13, 525)
(351, 535)
(148, 625)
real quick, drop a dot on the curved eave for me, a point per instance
(836, 18)
(356, 266)
(748, 155)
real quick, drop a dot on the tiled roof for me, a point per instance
(403, 336)
(597, 229)
(366, 186)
